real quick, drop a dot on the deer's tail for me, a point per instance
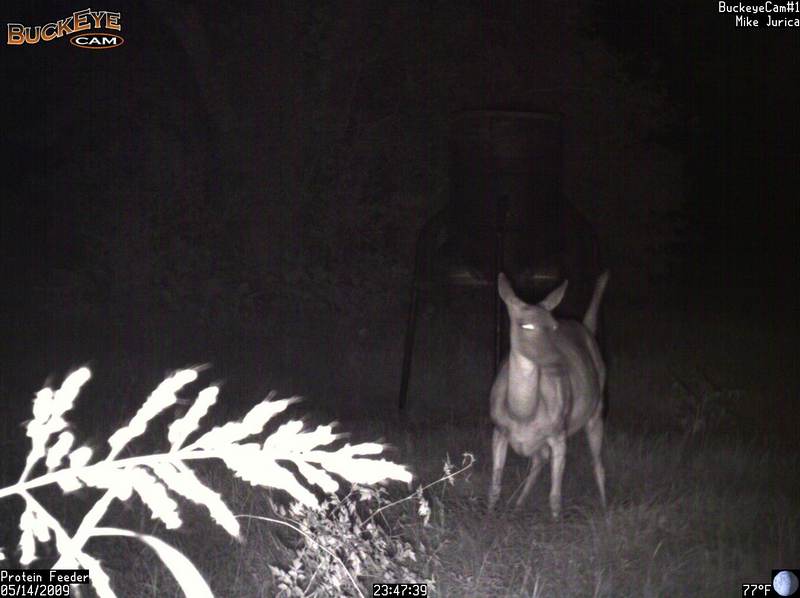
(590, 319)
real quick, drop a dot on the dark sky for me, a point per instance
(246, 185)
(694, 119)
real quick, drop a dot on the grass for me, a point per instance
(683, 519)
(701, 459)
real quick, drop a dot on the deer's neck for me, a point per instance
(524, 377)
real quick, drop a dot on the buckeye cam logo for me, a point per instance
(88, 29)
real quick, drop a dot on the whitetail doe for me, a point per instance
(549, 387)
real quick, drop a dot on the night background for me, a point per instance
(252, 187)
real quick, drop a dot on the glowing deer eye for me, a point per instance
(529, 326)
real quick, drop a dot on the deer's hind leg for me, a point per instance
(594, 434)
(558, 459)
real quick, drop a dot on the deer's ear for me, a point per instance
(554, 298)
(506, 292)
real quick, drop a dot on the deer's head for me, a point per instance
(532, 327)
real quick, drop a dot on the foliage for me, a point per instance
(157, 478)
(342, 539)
(347, 539)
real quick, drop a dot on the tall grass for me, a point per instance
(694, 517)
(701, 482)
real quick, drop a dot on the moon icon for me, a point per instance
(785, 583)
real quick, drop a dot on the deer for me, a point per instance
(549, 387)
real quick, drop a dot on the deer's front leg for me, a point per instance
(499, 450)
(558, 458)
(538, 459)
